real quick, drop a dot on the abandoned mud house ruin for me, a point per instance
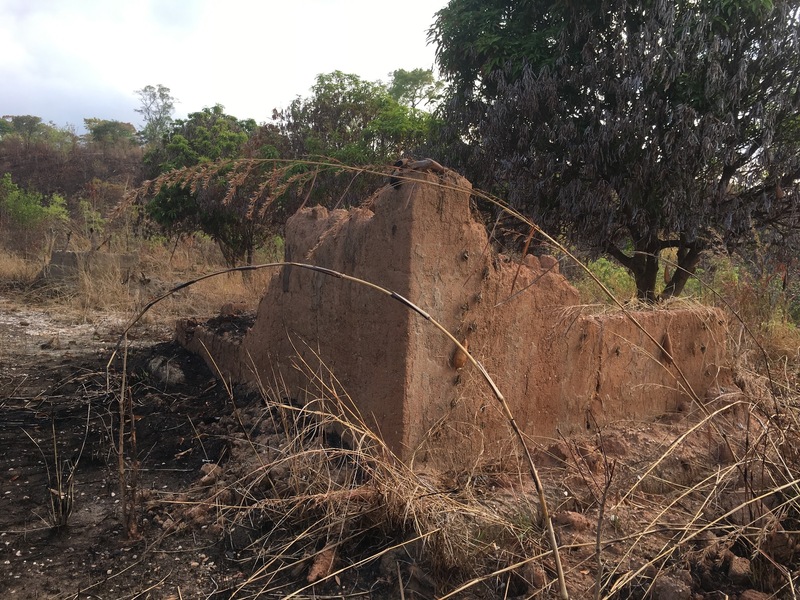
(560, 370)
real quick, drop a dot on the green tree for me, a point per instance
(27, 127)
(352, 120)
(219, 208)
(631, 127)
(29, 209)
(414, 88)
(5, 127)
(156, 105)
(27, 217)
(107, 132)
(31, 130)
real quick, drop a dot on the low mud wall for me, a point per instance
(68, 264)
(561, 370)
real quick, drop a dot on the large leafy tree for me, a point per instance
(352, 121)
(633, 127)
(226, 212)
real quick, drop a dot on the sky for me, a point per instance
(67, 60)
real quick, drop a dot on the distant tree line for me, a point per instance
(345, 119)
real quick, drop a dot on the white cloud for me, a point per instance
(65, 60)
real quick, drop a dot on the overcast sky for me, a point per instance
(66, 60)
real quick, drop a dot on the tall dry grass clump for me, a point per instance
(16, 271)
(311, 496)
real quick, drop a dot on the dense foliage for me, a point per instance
(345, 120)
(632, 127)
(356, 122)
(207, 136)
(351, 120)
(30, 212)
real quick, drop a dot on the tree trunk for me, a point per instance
(688, 257)
(645, 276)
(643, 265)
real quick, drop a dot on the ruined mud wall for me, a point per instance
(559, 369)
(67, 264)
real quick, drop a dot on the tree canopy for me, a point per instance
(352, 120)
(630, 127)
(414, 88)
(156, 105)
(236, 181)
(215, 208)
(108, 132)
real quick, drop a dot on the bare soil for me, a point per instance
(58, 400)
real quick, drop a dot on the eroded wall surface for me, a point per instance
(560, 370)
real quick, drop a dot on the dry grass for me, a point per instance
(317, 496)
(311, 498)
(311, 495)
(159, 268)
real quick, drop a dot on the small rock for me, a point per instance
(739, 570)
(667, 587)
(744, 509)
(555, 455)
(53, 343)
(278, 473)
(780, 544)
(211, 472)
(573, 520)
(533, 262)
(549, 263)
(232, 309)
(166, 371)
(534, 573)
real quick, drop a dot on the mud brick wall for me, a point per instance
(560, 370)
